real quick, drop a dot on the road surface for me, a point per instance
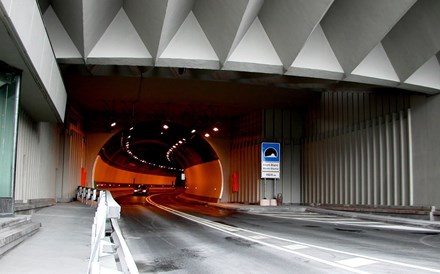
(170, 235)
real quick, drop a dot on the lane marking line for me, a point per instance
(210, 224)
(356, 262)
(295, 247)
(258, 237)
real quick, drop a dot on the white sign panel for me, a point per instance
(270, 160)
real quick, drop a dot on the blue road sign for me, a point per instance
(270, 160)
(270, 152)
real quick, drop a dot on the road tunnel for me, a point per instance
(161, 154)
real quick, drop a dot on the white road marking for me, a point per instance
(346, 221)
(258, 237)
(215, 225)
(407, 228)
(295, 247)
(356, 262)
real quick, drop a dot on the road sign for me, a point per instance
(270, 160)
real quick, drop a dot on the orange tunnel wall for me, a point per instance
(104, 173)
(205, 180)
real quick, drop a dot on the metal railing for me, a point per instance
(109, 251)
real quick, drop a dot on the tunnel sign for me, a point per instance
(270, 160)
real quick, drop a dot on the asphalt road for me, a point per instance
(170, 235)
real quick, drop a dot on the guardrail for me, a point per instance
(109, 251)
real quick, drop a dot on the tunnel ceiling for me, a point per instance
(392, 43)
(201, 62)
(157, 147)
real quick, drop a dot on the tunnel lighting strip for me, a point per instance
(233, 231)
(173, 147)
(134, 156)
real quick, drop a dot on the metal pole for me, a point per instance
(264, 188)
(275, 187)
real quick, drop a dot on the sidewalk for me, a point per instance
(62, 245)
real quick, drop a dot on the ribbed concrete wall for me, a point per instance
(282, 126)
(286, 128)
(74, 159)
(244, 158)
(426, 149)
(357, 151)
(38, 167)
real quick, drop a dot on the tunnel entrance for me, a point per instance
(160, 154)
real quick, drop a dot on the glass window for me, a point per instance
(8, 128)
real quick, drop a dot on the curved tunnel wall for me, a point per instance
(205, 180)
(104, 173)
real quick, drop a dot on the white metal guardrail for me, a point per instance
(109, 251)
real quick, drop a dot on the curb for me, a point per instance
(364, 216)
(385, 219)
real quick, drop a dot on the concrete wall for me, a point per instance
(205, 180)
(38, 167)
(95, 142)
(105, 173)
(426, 149)
(244, 158)
(44, 94)
(356, 150)
(222, 148)
(73, 160)
(284, 127)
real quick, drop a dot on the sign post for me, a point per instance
(270, 166)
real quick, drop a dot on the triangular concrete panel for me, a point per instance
(220, 20)
(249, 16)
(189, 48)
(316, 58)
(289, 24)
(255, 53)
(98, 14)
(70, 14)
(120, 44)
(147, 16)
(377, 65)
(427, 75)
(63, 46)
(177, 11)
(354, 28)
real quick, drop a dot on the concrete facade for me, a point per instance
(388, 159)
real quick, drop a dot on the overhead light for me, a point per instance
(215, 129)
(193, 131)
(207, 135)
(113, 124)
(165, 126)
(131, 128)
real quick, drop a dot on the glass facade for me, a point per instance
(9, 94)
